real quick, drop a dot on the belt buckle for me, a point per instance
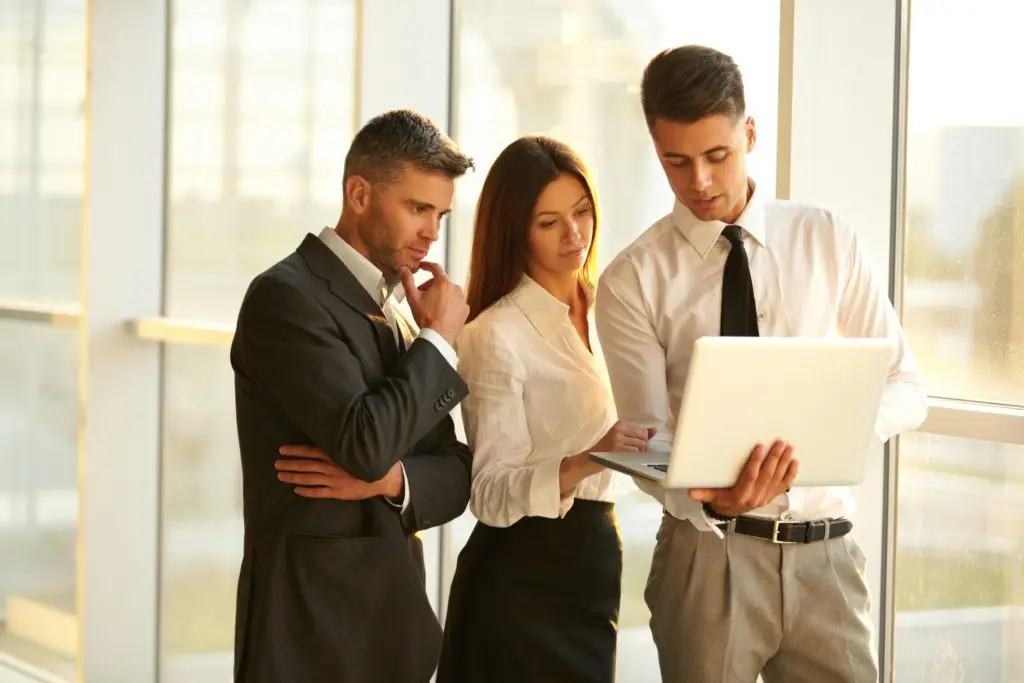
(775, 534)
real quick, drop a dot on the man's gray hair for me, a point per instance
(389, 141)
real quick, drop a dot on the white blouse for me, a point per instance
(536, 396)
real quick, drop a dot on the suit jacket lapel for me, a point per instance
(344, 285)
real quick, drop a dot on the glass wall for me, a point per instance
(42, 142)
(42, 147)
(960, 561)
(959, 593)
(263, 98)
(572, 70)
(262, 110)
(964, 252)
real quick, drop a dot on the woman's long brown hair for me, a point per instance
(505, 211)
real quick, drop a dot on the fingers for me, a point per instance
(311, 452)
(781, 468)
(625, 442)
(780, 457)
(769, 472)
(434, 269)
(764, 485)
(304, 479)
(313, 491)
(746, 486)
(303, 465)
(790, 476)
(633, 431)
(334, 493)
(631, 437)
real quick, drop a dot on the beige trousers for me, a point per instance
(726, 610)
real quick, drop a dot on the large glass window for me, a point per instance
(262, 110)
(42, 142)
(38, 488)
(964, 260)
(572, 70)
(959, 592)
(960, 563)
(202, 515)
(42, 147)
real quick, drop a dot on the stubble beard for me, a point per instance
(382, 254)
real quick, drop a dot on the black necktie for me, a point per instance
(739, 311)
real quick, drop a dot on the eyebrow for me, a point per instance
(676, 155)
(585, 197)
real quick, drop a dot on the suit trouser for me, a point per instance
(726, 610)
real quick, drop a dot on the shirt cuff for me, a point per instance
(441, 344)
(405, 488)
(545, 492)
(678, 503)
(711, 523)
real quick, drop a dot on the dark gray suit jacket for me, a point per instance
(333, 591)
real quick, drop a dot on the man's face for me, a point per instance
(401, 219)
(706, 163)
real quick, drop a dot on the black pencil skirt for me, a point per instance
(537, 601)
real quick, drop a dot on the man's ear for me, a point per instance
(751, 134)
(357, 193)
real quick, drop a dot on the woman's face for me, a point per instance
(562, 227)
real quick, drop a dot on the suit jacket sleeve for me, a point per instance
(438, 477)
(291, 345)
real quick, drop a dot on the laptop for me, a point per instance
(820, 395)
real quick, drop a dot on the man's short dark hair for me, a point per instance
(389, 141)
(685, 84)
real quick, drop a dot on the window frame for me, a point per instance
(122, 331)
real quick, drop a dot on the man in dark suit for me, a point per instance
(331, 587)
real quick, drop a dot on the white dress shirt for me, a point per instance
(387, 297)
(536, 396)
(812, 278)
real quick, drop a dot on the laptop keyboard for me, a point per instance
(659, 467)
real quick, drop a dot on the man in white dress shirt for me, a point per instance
(727, 602)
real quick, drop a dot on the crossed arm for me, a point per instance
(290, 345)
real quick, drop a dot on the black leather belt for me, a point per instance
(788, 532)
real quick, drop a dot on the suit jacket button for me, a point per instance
(449, 394)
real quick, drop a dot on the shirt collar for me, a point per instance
(702, 235)
(543, 310)
(368, 275)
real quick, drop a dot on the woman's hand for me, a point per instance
(623, 437)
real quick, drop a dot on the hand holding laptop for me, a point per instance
(768, 474)
(732, 401)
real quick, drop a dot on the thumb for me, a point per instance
(702, 495)
(409, 285)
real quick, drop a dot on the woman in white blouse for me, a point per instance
(536, 592)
